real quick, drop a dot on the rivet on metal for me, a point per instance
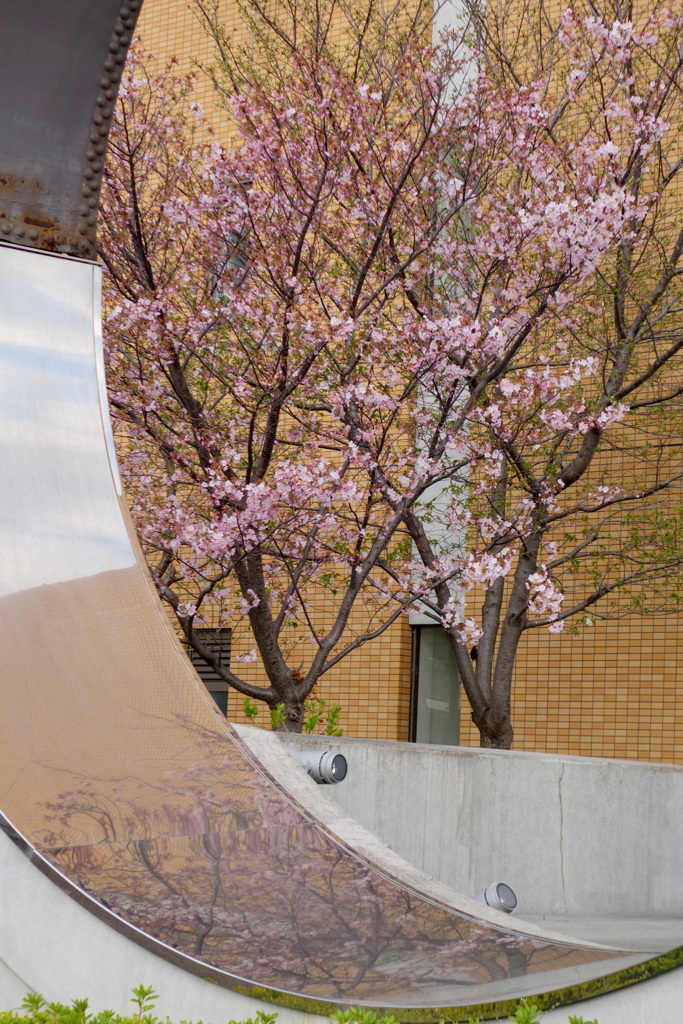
(113, 66)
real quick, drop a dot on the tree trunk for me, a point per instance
(498, 735)
(294, 713)
(292, 691)
(494, 722)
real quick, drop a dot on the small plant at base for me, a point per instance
(526, 1013)
(33, 1002)
(37, 1011)
(277, 714)
(356, 1015)
(317, 713)
(144, 997)
(313, 709)
(277, 717)
(332, 727)
(260, 1018)
(250, 709)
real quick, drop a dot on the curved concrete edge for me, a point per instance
(270, 750)
(51, 944)
(573, 836)
(651, 991)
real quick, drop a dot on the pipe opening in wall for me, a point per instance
(499, 896)
(324, 767)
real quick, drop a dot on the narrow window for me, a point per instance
(435, 689)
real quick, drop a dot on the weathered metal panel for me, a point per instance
(58, 88)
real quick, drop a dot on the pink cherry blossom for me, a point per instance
(376, 354)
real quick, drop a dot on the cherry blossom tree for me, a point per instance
(391, 347)
(594, 477)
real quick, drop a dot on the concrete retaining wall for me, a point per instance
(572, 836)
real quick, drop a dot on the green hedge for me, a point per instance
(35, 1010)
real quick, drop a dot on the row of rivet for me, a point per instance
(104, 109)
(92, 177)
(20, 232)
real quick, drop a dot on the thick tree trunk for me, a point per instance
(494, 681)
(294, 712)
(497, 734)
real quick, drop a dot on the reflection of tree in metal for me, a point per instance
(221, 794)
(215, 862)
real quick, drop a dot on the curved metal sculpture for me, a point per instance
(116, 773)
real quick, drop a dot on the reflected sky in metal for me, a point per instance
(56, 514)
(114, 763)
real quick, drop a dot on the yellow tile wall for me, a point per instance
(372, 685)
(616, 690)
(171, 29)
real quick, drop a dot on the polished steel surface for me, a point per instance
(60, 66)
(113, 762)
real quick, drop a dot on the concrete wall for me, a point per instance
(273, 753)
(572, 836)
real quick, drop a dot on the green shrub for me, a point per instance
(36, 1011)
